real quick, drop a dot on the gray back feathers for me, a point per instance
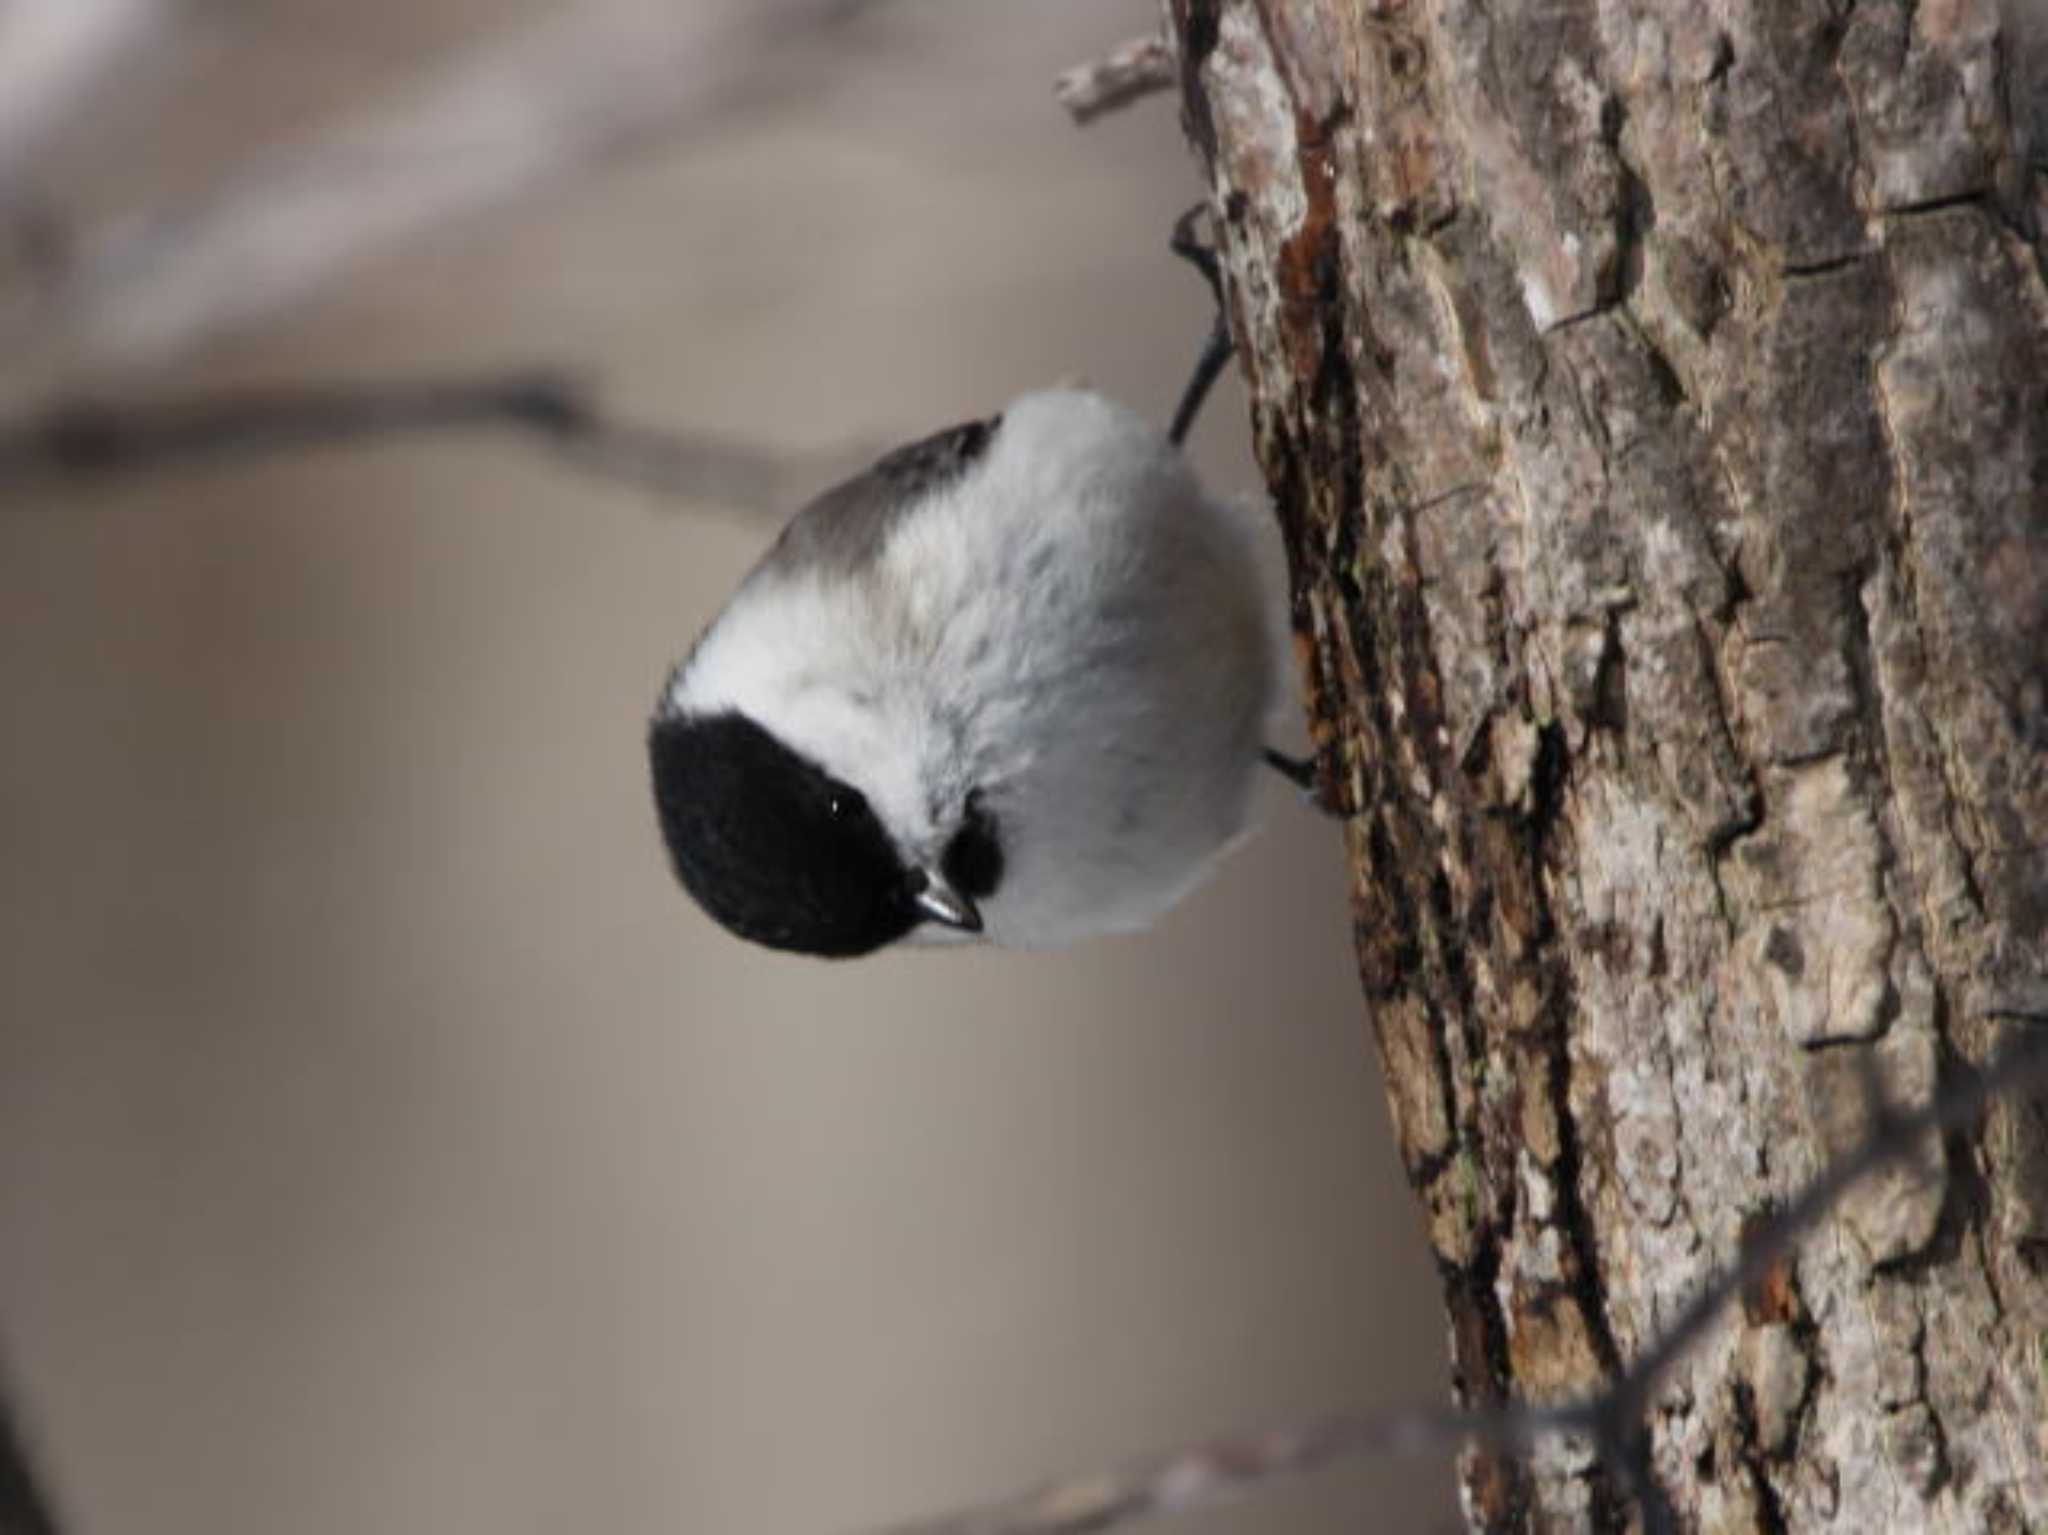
(843, 529)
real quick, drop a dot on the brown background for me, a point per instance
(385, 1144)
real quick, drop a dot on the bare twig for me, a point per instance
(519, 112)
(92, 439)
(1121, 76)
(1615, 1422)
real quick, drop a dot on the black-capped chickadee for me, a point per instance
(1013, 680)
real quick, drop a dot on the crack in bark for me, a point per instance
(1586, 1284)
(1826, 266)
(1898, 545)
(1974, 197)
(1770, 1507)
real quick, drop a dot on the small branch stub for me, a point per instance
(1133, 70)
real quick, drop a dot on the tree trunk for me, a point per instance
(1654, 394)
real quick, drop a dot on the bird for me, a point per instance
(1011, 683)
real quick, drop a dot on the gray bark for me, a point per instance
(1654, 395)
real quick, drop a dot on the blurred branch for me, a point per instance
(23, 1510)
(521, 111)
(1131, 70)
(1196, 1477)
(50, 53)
(92, 439)
(1614, 1423)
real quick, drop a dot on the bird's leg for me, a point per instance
(1188, 245)
(1301, 772)
(1217, 348)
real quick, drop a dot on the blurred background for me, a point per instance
(386, 1144)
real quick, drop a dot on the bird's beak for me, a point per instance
(941, 903)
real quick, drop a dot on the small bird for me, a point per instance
(1012, 682)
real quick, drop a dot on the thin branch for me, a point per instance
(1200, 1476)
(519, 112)
(1615, 1423)
(85, 439)
(1127, 73)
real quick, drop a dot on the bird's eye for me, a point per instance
(842, 802)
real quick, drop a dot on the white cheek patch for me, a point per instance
(805, 661)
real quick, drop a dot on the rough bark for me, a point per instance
(1654, 394)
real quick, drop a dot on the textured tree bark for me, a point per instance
(1655, 398)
